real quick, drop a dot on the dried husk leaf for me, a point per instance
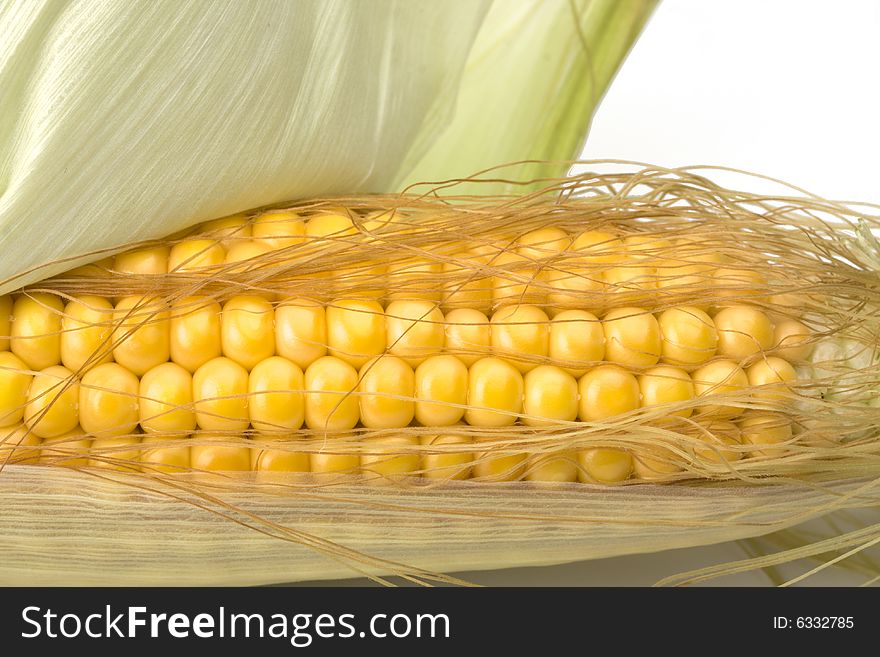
(65, 527)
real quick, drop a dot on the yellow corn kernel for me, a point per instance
(219, 458)
(606, 391)
(604, 465)
(468, 335)
(19, 446)
(335, 460)
(689, 336)
(195, 254)
(86, 331)
(466, 287)
(387, 388)
(576, 338)
(638, 265)
(763, 430)
(220, 389)
(355, 330)
(742, 332)
(735, 285)
(580, 276)
(506, 467)
(98, 269)
(173, 457)
(441, 385)
(300, 331)
(655, 462)
(543, 244)
(598, 247)
(52, 403)
(647, 248)
(14, 384)
(382, 456)
(382, 221)
(717, 435)
(541, 248)
(415, 330)
(166, 401)
(520, 331)
(70, 449)
(332, 231)
(495, 393)
(364, 280)
(690, 271)
(507, 287)
(195, 332)
(448, 465)
(551, 396)
(632, 337)
(792, 340)
(332, 225)
(279, 229)
(141, 339)
(415, 279)
(244, 251)
(520, 271)
(556, 469)
(228, 230)
(35, 336)
(667, 385)
(332, 463)
(652, 463)
(108, 401)
(108, 453)
(719, 377)
(247, 330)
(149, 261)
(5, 321)
(529, 260)
(279, 460)
(272, 459)
(330, 401)
(772, 375)
(275, 396)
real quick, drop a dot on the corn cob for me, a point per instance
(708, 249)
(406, 365)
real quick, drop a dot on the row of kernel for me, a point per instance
(386, 393)
(550, 267)
(545, 266)
(449, 456)
(566, 269)
(234, 239)
(591, 261)
(413, 330)
(140, 333)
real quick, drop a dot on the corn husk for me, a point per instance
(237, 529)
(535, 76)
(121, 122)
(73, 529)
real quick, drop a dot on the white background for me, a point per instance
(784, 88)
(789, 89)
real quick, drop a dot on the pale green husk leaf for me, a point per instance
(124, 121)
(537, 72)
